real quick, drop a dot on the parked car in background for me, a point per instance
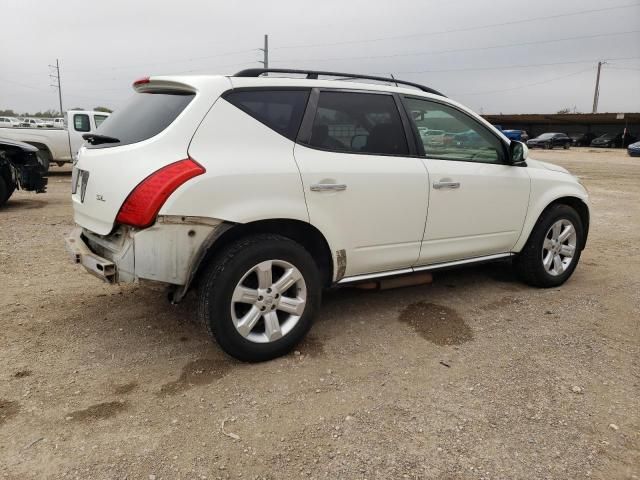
(20, 168)
(517, 135)
(550, 140)
(333, 188)
(613, 140)
(634, 149)
(59, 145)
(59, 122)
(582, 139)
(33, 123)
(433, 137)
(9, 122)
(608, 140)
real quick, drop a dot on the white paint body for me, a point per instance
(389, 218)
(63, 144)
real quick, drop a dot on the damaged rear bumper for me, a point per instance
(82, 254)
(165, 253)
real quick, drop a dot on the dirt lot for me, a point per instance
(475, 376)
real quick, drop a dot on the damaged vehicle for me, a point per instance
(260, 191)
(21, 167)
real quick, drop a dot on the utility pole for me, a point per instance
(265, 50)
(56, 78)
(596, 93)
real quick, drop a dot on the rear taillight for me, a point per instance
(141, 81)
(143, 204)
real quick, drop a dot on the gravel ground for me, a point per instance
(475, 376)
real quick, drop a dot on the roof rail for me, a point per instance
(313, 75)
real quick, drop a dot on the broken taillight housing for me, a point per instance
(143, 204)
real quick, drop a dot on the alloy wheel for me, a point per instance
(559, 247)
(268, 301)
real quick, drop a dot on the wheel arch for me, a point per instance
(575, 202)
(301, 232)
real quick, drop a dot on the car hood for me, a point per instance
(531, 163)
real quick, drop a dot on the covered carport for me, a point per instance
(596, 123)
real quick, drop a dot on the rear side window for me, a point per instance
(81, 122)
(144, 116)
(358, 123)
(280, 110)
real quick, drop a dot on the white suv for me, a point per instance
(261, 191)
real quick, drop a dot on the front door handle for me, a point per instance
(328, 187)
(451, 185)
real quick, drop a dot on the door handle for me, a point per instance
(328, 187)
(449, 185)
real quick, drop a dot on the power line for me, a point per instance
(527, 85)
(455, 50)
(624, 68)
(459, 30)
(191, 59)
(505, 67)
(24, 85)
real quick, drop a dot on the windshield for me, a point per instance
(608, 135)
(144, 116)
(544, 136)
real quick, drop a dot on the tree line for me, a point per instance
(51, 113)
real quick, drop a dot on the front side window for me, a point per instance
(448, 134)
(358, 123)
(81, 122)
(280, 110)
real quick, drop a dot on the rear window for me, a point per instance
(280, 110)
(144, 116)
(99, 119)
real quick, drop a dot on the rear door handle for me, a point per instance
(328, 187)
(450, 185)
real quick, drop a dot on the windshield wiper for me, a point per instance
(95, 139)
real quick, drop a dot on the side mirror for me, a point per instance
(518, 152)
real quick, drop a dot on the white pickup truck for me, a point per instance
(58, 145)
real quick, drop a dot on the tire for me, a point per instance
(234, 270)
(566, 146)
(529, 263)
(4, 191)
(548, 146)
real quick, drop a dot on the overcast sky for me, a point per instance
(494, 56)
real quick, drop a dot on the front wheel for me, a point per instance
(553, 250)
(548, 146)
(259, 296)
(566, 146)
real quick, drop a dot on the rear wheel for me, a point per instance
(553, 250)
(259, 296)
(566, 146)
